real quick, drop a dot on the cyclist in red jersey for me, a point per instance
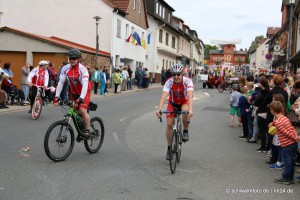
(80, 87)
(37, 77)
(180, 91)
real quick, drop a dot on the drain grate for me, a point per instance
(218, 109)
(184, 198)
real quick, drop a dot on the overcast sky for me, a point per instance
(228, 19)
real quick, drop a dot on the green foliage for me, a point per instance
(208, 48)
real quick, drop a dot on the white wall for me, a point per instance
(252, 57)
(261, 52)
(127, 50)
(151, 51)
(68, 19)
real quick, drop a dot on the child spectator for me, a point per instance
(288, 137)
(244, 106)
(234, 102)
(275, 147)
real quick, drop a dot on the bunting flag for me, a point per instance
(128, 39)
(133, 41)
(144, 43)
(149, 37)
(137, 38)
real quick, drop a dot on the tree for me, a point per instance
(208, 48)
(254, 43)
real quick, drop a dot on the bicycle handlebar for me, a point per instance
(178, 112)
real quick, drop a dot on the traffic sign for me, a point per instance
(269, 56)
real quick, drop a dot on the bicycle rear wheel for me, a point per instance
(94, 143)
(36, 108)
(59, 141)
(173, 149)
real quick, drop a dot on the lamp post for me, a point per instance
(291, 4)
(97, 18)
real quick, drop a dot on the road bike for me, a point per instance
(39, 100)
(59, 139)
(176, 141)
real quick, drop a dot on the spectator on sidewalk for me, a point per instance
(24, 75)
(262, 112)
(288, 139)
(107, 74)
(52, 75)
(96, 79)
(116, 80)
(146, 77)
(7, 70)
(64, 92)
(140, 77)
(243, 105)
(250, 118)
(129, 83)
(103, 82)
(275, 148)
(125, 76)
(234, 102)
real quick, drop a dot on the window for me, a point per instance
(167, 39)
(143, 34)
(169, 17)
(163, 12)
(163, 62)
(160, 10)
(140, 6)
(170, 63)
(160, 35)
(166, 64)
(156, 8)
(181, 43)
(133, 4)
(228, 51)
(132, 30)
(127, 30)
(173, 42)
(118, 28)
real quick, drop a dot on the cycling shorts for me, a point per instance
(170, 108)
(86, 100)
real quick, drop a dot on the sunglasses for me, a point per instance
(72, 58)
(176, 74)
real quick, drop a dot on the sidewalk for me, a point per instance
(199, 95)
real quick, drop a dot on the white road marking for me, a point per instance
(127, 117)
(116, 138)
(206, 93)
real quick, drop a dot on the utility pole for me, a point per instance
(97, 18)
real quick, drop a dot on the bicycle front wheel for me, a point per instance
(59, 141)
(36, 108)
(94, 143)
(179, 135)
(173, 149)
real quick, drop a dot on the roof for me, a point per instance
(122, 5)
(261, 41)
(57, 41)
(273, 30)
(178, 18)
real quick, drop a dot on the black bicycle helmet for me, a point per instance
(74, 53)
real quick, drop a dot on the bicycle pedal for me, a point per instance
(78, 139)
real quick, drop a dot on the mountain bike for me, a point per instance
(59, 139)
(176, 141)
(39, 99)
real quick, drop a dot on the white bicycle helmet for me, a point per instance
(177, 68)
(43, 63)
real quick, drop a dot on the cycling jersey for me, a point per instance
(178, 92)
(38, 76)
(78, 78)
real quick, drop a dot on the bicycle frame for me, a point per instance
(72, 114)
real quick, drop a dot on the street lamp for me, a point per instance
(291, 4)
(97, 18)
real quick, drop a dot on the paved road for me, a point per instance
(131, 164)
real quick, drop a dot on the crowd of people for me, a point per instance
(267, 111)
